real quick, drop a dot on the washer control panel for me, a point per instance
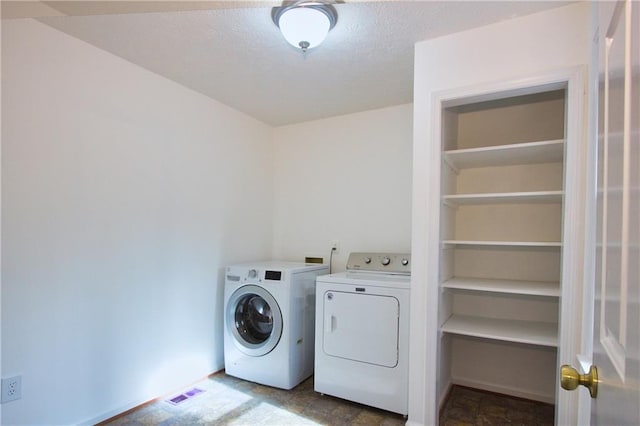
(253, 275)
(393, 263)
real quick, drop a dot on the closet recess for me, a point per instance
(501, 219)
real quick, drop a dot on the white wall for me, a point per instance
(345, 178)
(1, 217)
(515, 49)
(123, 196)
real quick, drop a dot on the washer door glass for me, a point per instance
(254, 319)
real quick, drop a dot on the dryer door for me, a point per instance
(254, 319)
(361, 327)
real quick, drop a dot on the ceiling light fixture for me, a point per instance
(305, 24)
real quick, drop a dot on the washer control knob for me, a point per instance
(367, 260)
(385, 261)
(404, 262)
(252, 273)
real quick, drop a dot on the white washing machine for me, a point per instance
(362, 331)
(269, 321)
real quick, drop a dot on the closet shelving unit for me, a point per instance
(500, 233)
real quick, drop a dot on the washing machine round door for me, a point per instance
(254, 319)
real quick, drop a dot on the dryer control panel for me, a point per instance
(390, 263)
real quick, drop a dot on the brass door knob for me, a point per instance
(570, 379)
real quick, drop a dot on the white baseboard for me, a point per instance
(105, 416)
(492, 387)
(443, 396)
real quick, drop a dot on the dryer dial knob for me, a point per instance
(252, 273)
(385, 261)
(367, 260)
(404, 262)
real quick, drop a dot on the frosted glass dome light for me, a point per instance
(305, 24)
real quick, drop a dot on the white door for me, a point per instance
(361, 327)
(616, 308)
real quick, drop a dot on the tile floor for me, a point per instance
(231, 401)
(466, 406)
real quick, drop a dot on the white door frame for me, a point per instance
(425, 289)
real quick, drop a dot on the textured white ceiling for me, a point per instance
(237, 55)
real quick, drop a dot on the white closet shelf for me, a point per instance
(531, 244)
(529, 332)
(542, 197)
(533, 288)
(507, 155)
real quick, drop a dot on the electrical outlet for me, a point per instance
(11, 388)
(335, 246)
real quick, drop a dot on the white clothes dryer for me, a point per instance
(362, 331)
(269, 315)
